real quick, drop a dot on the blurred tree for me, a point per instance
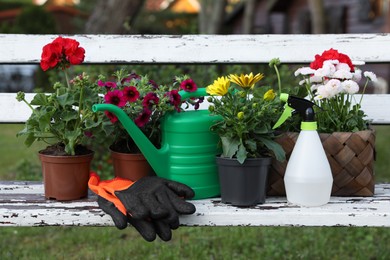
(32, 19)
(249, 14)
(211, 16)
(113, 16)
(317, 16)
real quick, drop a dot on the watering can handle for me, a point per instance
(200, 92)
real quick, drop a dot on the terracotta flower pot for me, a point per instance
(65, 177)
(243, 184)
(130, 166)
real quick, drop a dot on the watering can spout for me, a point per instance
(151, 153)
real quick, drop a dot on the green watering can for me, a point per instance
(188, 148)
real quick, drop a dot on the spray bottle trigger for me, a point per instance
(286, 114)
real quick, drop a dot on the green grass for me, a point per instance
(15, 155)
(196, 243)
(188, 242)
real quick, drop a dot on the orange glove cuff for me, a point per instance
(107, 188)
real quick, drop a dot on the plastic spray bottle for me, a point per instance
(308, 179)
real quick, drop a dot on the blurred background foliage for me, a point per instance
(137, 17)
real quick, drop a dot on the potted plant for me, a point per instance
(247, 139)
(146, 103)
(332, 83)
(64, 120)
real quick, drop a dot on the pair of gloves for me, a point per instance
(152, 205)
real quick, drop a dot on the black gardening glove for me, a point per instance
(157, 198)
(152, 204)
(148, 229)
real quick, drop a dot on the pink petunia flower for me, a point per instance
(131, 93)
(188, 85)
(174, 99)
(129, 78)
(150, 99)
(143, 118)
(115, 97)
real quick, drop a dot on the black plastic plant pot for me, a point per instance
(244, 184)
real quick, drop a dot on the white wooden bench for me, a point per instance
(22, 202)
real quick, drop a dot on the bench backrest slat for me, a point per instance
(18, 48)
(199, 49)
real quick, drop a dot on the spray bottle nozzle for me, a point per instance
(298, 105)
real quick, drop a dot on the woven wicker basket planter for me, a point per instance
(351, 158)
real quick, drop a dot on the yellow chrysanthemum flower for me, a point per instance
(246, 81)
(269, 95)
(220, 87)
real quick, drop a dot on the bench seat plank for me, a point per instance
(23, 204)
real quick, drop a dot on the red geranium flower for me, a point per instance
(331, 54)
(115, 97)
(150, 99)
(51, 56)
(63, 51)
(131, 93)
(73, 53)
(143, 118)
(188, 85)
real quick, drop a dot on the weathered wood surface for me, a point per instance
(136, 49)
(23, 204)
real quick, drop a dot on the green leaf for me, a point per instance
(39, 99)
(229, 146)
(72, 137)
(69, 115)
(276, 148)
(65, 100)
(251, 145)
(30, 139)
(241, 154)
(261, 130)
(44, 122)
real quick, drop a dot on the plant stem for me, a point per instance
(67, 79)
(278, 76)
(28, 104)
(364, 90)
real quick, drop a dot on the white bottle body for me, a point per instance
(308, 179)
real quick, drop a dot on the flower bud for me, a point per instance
(210, 99)
(274, 62)
(20, 96)
(240, 115)
(269, 95)
(254, 105)
(57, 85)
(211, 108)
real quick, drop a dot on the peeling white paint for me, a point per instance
(35, 210)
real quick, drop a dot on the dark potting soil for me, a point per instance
(59, 150)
